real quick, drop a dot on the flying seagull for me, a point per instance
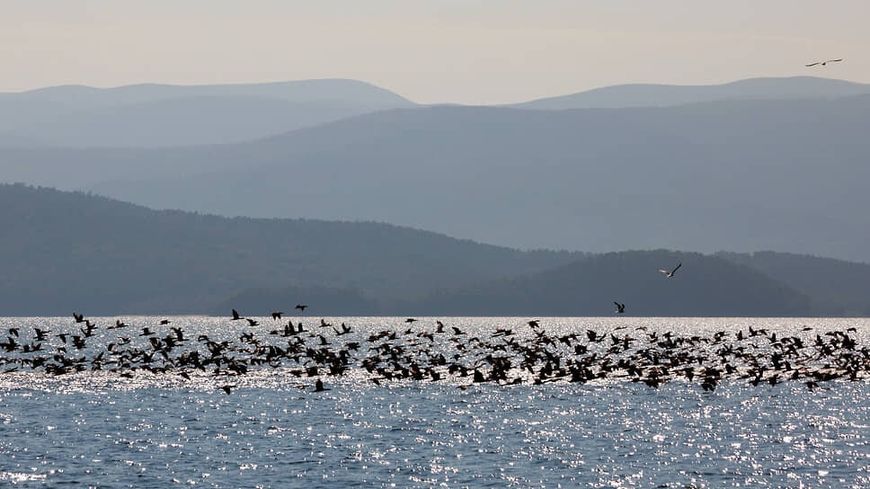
(670, 273)
(824, 63)
(620, 308)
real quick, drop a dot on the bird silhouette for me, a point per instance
(620, 308)
(670, 273)
(824, 63)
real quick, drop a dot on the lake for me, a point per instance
(109, 422)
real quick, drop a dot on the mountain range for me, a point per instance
(750, 165)
(652, 95)
(743, 175)
(70, 251)
(151, 115)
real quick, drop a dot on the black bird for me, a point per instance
(301, 307)
(410, 320)
(227, 389)
(14, 332)
(824, 63)
(670, 273)
(252, 322)
(533, 323)
(276, 315)
(236, 316)
(80, 318)
(318, 386)
(179, 333)
(164, 322)
(620, 308)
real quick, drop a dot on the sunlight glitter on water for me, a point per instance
(273, 431)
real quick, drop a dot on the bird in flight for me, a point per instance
(236, 316)
(620, 308)
(277, 315)
(301, 307)
(824, 63)
(670, 273)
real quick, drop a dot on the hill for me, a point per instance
(67, 251)
(167, 115)
(704, 286)
(836, 287)
(651, 95)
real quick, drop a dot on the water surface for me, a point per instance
(159, 430)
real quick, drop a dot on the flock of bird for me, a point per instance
(430, 351)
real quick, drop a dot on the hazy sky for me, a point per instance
(468, 51)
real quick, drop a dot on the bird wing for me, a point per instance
(812, 64)
(664, 271)
(834, 60)
(675, 270)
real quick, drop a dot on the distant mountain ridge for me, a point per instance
(705, 286)
(589, 179)
(657, 95)
(152, 115)
(65, 252)
(835, 287)
(743, 175)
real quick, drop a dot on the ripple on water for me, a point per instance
(158, 432)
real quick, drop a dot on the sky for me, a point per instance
(431, 51)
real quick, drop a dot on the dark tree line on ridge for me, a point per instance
(65, 251)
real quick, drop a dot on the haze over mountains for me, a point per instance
(66, 252)
(785, 174)
(652, 95)
(757, 164)
(151, 115)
